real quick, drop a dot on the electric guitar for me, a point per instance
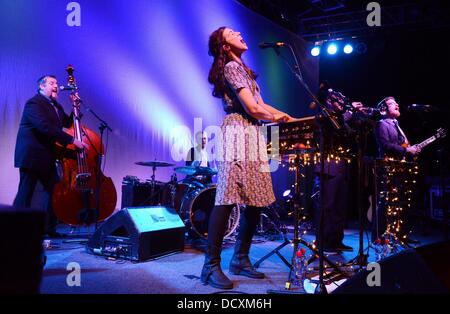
(440, 133)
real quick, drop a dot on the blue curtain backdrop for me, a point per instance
(142, 66)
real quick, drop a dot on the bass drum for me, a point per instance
(198, 205)
(172, 195)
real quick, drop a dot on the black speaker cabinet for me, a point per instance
(21, 261)
(418, 271)
(139, 234)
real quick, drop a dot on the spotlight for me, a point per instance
(286, 193)
(361, 48)
(332, 49)
(315, 51)
(348, 49)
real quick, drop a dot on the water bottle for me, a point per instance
(382, 249)
(300, 267)
(386, 248)
(378, 248)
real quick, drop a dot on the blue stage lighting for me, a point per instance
(348, 48)
(332, 49)
(315, 51)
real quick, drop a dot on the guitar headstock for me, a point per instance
(440, 133)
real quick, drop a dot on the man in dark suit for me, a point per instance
(390, 136)
(392, 142)
(41, 127)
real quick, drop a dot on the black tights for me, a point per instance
(218, 222)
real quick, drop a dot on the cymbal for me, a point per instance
(196, 171)
(153, 163)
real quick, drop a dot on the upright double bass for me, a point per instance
(84, 194)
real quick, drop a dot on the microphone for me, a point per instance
(63, 88)
(420, 108)
(272, 45)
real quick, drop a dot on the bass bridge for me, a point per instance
(82, 180)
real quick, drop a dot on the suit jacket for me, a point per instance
(40, 129)
(389, 139)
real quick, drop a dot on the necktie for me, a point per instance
(402, 137)
(55, 106)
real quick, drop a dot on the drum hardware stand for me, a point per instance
(260, 229)
(277, 252)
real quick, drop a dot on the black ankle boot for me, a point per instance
(214, 276)
(241, 265)
(212, 272)
(240, 262)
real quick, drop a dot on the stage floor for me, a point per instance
(177, 273)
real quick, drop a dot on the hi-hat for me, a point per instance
(196, 171)
(154, 163)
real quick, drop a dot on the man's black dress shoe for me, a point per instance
(54, 234)
(344, 248)
(330, 250)
(412, 241)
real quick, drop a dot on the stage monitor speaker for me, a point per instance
(424, 270)
(139, 234)
(22, 259)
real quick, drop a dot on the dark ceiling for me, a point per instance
(329, 19)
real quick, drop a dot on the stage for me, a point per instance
(180, 273)
(146, 83)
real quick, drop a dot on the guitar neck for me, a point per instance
(426, 142)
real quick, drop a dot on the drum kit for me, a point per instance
(192, 197)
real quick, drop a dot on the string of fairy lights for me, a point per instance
(397, 183)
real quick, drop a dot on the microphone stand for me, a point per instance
(103, 125)
(362, 124)
(324, 112)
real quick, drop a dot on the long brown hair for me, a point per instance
(216, 74)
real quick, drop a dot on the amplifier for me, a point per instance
(138, 193)
(437, 205)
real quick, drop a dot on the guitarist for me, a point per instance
(392, 142)
(391, 139)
